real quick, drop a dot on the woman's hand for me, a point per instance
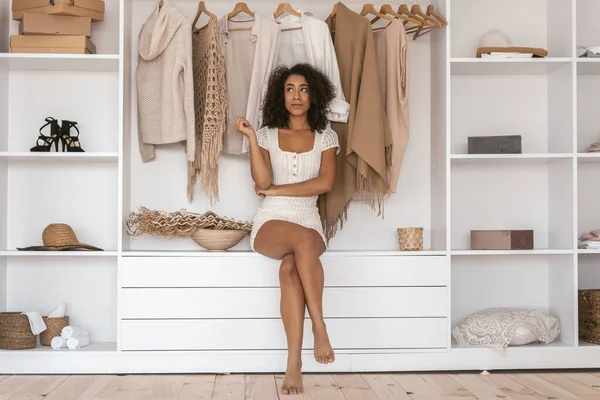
(257, 191)
(271, 191)
(244, 127)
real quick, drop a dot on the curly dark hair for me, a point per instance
(320, 88)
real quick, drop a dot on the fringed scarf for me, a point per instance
(210, 103)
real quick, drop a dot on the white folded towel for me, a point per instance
(59, 312)
(70, 331)
(58, 342)
(76, 342)
(36, 322)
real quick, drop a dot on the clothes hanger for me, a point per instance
(431, 11)
(240, 8)
(403, 10)
(370, 9)
(422, 31)
(285, 8)
(416, 10)
(387, 9)
(201, 9)
(334, 11)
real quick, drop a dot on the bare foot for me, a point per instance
(323, 351)
(292, 382)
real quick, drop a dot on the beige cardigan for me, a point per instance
(165, 109)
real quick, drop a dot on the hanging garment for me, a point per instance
(249, 60)
(210, 103)
(365, 140)
(165, 84)
(392, 56)
(313, 45)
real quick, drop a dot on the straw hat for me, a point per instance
(60, 237)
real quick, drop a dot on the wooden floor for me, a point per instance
(517, 386)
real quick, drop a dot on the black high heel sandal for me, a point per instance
(48, 141)
(71, 143)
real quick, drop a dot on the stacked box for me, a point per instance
(55, 26)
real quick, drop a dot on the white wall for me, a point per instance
(161, 183)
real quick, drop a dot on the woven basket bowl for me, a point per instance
(410, 239)
(15, 332)
(55, 326)
(218, 240)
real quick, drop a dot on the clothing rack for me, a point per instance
(415, 20)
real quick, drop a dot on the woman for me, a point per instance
(292, 161)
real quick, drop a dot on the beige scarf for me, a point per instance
(210, 103)
(365, 141)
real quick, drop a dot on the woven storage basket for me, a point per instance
(589, 315)
(410, 239)
(55, 326)
(15, 332)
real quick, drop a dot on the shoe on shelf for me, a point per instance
(48, 141)
(70, 143)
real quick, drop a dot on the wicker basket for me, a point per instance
(410, 239)
(55, 327)
(589, 315)
(15, 332)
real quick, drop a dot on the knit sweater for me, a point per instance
(165, 86)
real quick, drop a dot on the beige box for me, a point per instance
(44, 24)
(51, 44)
(502, 240)
(93, 9)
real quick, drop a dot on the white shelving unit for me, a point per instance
(551, 188)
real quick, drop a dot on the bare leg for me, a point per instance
(292, 313)
(278, 238)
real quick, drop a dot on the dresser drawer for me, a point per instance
(264, 302)
(268, 334)
(256, 271)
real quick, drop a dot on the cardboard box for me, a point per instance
(508, 144)
(502, 240)
(93, 9)
(43, 24)
(50, 50)
(36, 44)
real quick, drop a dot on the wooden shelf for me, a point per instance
(61, 62)
(531, 157)
(511, 66)
(509, 252)
(58, 157)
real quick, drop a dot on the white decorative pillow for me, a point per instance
(501, 327)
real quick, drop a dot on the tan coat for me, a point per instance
(365, 140)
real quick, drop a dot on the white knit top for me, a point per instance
(290, 167)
